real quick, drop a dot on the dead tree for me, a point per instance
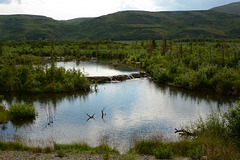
(90, 117)
(183, 132)
(103, 114)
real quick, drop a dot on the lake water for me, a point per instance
(134, 108)
(92, 68)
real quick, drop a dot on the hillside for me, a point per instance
(15, 27)
(130, 25)
(76, 21)
(232, 8)
(125, 25)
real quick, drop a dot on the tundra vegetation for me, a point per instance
(203, 64)
(211, 64)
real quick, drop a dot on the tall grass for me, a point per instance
(216, 136)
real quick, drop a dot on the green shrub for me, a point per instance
(233, 118)
(222, 80)
(196, 153)
(2, 107)
(145, 147)
(213, 124)
(182, 147)
(220, 151)
(187, 80)
(163, 152)
(4, 116)
(173, 68)
(161, 75)
(60, 153)
(22, 111)
(1, 97)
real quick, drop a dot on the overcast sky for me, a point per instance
(69, 9)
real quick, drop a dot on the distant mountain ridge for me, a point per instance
(125, 25)
(232, 8)
(132, 25)
(14, 27)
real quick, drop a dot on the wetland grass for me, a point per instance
(216, 137)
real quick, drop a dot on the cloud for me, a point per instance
(68, 9)
(9, 1)
(192, 4)
(5, 1)
(149, 5)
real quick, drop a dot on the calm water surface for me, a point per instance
(91, 68)
(134, 108)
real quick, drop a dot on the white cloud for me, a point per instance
(67, 9)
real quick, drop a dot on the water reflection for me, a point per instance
(134, 107)
(98, 68)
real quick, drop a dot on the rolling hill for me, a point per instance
(130, 25)
(125, 25)
(14, 27)
(232, 8)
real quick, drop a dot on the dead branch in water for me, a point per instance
(183, 132)
(90, 117)
(103, 114)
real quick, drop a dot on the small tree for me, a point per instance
(164, 45)
(170, 48)
(1, 49)
(150, 47)
(52, 45)
(154, 44)
(181, 50)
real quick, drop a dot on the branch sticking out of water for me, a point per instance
(103, 114)
(90, 117)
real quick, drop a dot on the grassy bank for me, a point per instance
(217, 137)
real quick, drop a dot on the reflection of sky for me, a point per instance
(95, 69)
(134, 106)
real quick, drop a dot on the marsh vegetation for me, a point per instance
(211, 64)
(208, 65)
